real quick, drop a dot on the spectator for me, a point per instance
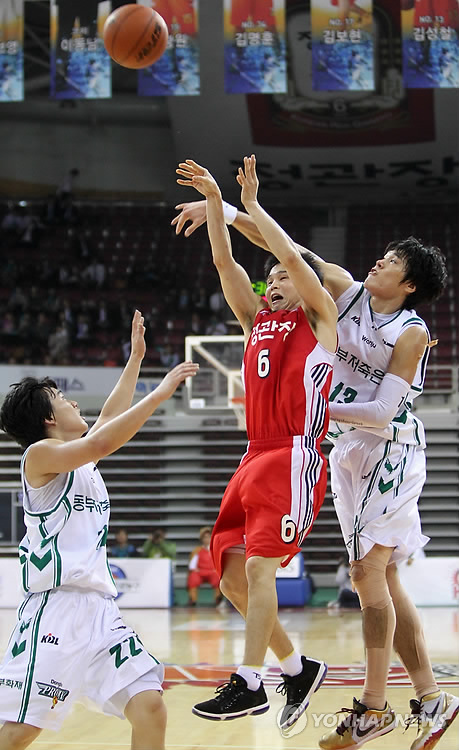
(197, 326)
(123, 548)
(58, 343)
(346, 596)
(9, 325)
(202, 569)
(217, 302)
(216, 327)
(157, 545)
(199, 299)
(168, 357)
(67, 186)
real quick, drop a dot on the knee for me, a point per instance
(234, 589)
(371, 585)
(18, 736)
(260, 571)
(146, 709)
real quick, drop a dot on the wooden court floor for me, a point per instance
(201, 646)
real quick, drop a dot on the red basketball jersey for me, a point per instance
(436, 13)
(287, 376)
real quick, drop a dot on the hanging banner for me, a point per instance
(11, 50)
(177, 72)
(430, 30)
(80, 66)
(390, 115)
(342, 45)
(255, 56)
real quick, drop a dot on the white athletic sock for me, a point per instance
(252, 676)
(292, 664)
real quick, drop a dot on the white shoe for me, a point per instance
(433, 719)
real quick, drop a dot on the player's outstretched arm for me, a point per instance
(235, 282)
(305, 280)
(336, 278)
(394, 387)
(120, 398)
(50, 457)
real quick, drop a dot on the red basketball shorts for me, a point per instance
(272, 499)
(259, 10)
(196, 578)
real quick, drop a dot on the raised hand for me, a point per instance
(248, 180)
(197, 177)
(196, 212)
(172, 380)
(138, 336)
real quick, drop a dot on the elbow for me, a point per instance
(100, 446)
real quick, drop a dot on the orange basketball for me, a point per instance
(135, 36)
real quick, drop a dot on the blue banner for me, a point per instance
(177, 72)
(430, 34)
(11, 50)
(342, 45)
(80, 66)
(255, 56)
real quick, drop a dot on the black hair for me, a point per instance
(424, 266)
(25, 408)
(309, 257)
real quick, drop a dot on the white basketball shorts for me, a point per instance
(69, 646)
(376, 486)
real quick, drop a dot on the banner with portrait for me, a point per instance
(11, 50)
(177, 72)
(80, 66)
(342, 45)
(255, 49)
(430, 41)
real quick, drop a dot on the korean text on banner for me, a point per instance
(430, 34)
(255, 48)
(342, 45)
(80, 66)
(177, 72)
(11, 50)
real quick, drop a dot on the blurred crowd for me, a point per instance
(75, 307)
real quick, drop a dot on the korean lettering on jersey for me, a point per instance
(177, 72)
(254, 47)
(430, 40)
(80, 66)
(11, 50)
(342, 45)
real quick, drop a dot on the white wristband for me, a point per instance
(229, 212)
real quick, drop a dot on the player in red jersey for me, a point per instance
(201, 568)
(260, 11)
(179, 12)
(430, 13)
(273, 498)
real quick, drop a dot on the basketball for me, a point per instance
(135, 36)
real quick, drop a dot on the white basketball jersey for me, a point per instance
(66, 545)
(366, 341)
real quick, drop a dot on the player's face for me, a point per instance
(385, 280)
(67, 416)
(280, 292)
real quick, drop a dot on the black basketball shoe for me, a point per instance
(234, 699)
(299, 689)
